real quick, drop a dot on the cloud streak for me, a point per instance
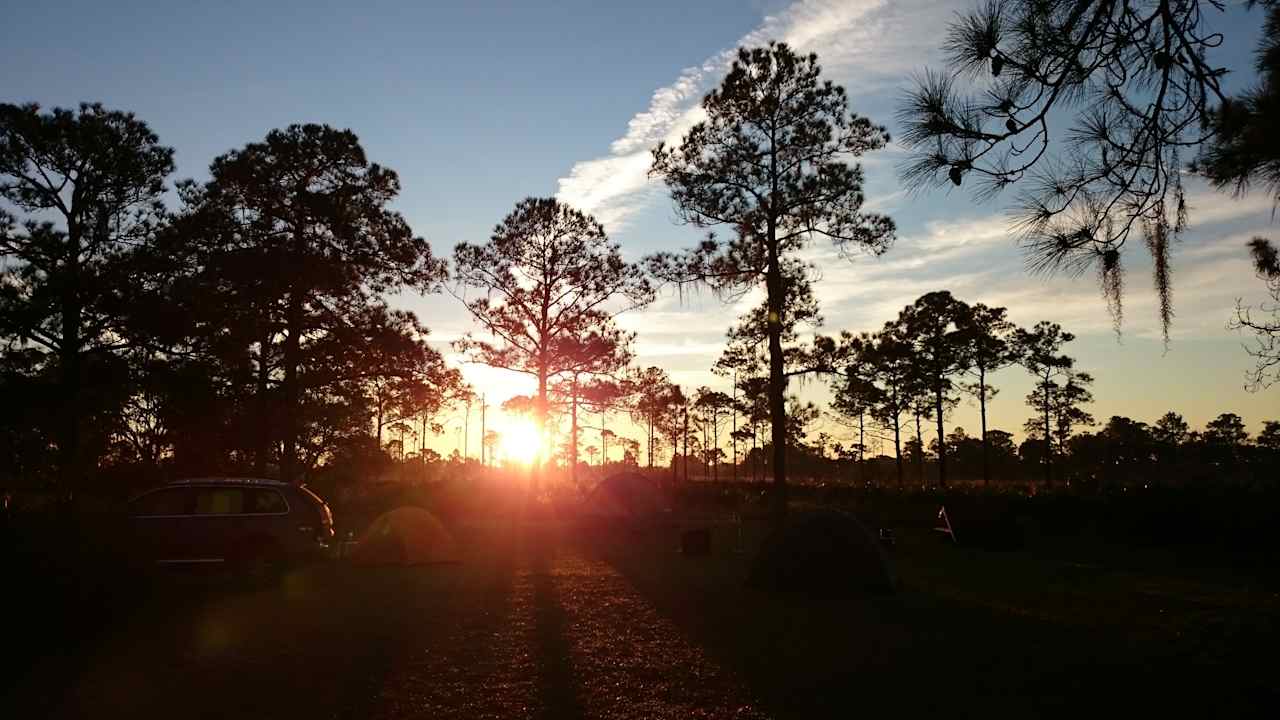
(871, 47)
(846, 35)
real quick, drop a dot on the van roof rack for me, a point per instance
(228, 480)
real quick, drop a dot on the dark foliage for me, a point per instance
(770, 162)
(1139, 87)
(87, 185)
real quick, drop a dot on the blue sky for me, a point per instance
(480, 104)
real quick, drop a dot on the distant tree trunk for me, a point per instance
(715, 445)
(69, 356)
(942, 439)
(292, 393)
(573, 432)
(777, 376)
(1048, 439)
(982, 412)
(262, 441)
(378, 421)
(897, 448)
(675, 452)
(733, 433)
(755, 452)
(650, 441)
(604, 441)
(686, 444)
(706, 469)
(919, 450)
(862, 439)
(541, 412)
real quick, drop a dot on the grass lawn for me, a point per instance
(1062, 628)
(544, 620)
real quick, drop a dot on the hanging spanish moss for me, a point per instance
(1157, 237)
(1111, 278)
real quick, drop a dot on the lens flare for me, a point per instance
(521, 443)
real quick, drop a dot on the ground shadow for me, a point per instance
(557, 685)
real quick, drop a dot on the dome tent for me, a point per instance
(827, 550)
(630, 496)
(405, 536)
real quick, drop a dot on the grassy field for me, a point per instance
(543, 619)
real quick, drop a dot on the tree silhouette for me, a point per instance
(885, 363)
(769, 161)
(491, 440)
(673, 423)
(747, 349)
(1266, 331)
(855, 399)
(1129, 446)
(1169, 433)
(599, 355)
(385, 353)
(88, 183)
(711, 407)
(630, 451)
(1136, 78)
(1068, 413)
(1224, 439)
(753, 405)
(552, 284)
(1242, 149)
(921, 408)
(308, 206)
(1171, 429)
(603, 396)
(1269, 438)
(932, 324)
(1040, 352)
(654, 397)
(1226, 430)
(800, 415)
(986, 335)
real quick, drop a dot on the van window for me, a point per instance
(266, 502)
(220, 501)
(173, 501)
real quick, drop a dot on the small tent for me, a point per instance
(405, 536)
(823, 551)
(626, 496)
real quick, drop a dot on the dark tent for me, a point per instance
(626, 496)
(405, 536)
(828, 551)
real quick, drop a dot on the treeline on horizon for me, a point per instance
(246, 330)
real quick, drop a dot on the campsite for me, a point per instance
(483, 608)
(663, 359)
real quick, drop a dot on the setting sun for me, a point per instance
(520, 442)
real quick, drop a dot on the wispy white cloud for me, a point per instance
(858, 42)
(870, 47)
(1207, 208)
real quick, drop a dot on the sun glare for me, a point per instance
(520, 442)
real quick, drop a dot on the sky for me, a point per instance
(477, 105)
